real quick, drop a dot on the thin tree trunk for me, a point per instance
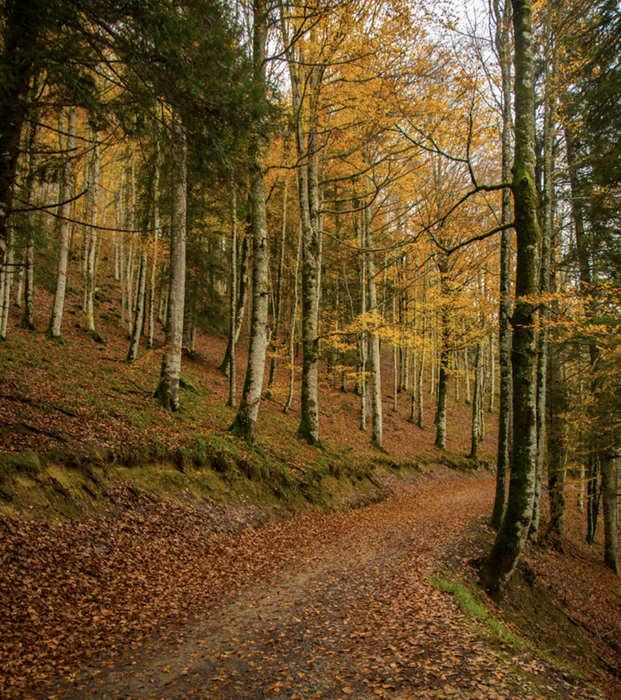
(443, 340)
(475, 435)
(132, 353)
(66, 144)
(294, 315)
(281, 261)
(240, 308)
(232, 400)
(376, 375)
(611, 506)
(91, 235)
(156, 237)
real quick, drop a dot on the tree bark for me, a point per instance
(66, 145)
(245, 422)
(610, 488)
(511, 537)
(167, 392)
(376, 375)
(503, 48)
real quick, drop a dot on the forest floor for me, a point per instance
(150, 555)
(164, 601)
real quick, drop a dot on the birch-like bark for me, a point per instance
(294, 318)
(66, 144)
(167, 391)
(8, 272)
(91, 235)
(279, 281)
(376, 374)
(156, 238)
(511, 537)
(245, 422)
(134, 345)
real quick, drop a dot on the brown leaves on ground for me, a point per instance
(329, 606)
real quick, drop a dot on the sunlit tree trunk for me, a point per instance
(279, 283)
(511, 537)
(132, 353)
(7, 274)
(156, 238)
(376, 374)
(91, 235)
(167, 392)
(294, 316)
(66, 145)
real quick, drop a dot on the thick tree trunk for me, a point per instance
(245, 422)
(511, 537)
(66, 145)
(167, 391)
(503, 47)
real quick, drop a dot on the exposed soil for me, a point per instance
(329, 606)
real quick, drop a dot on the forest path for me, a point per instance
(352, 614)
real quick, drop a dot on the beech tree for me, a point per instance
(511, 537)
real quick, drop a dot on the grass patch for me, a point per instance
(473, 609)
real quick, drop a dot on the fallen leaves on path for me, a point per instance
(329, 606)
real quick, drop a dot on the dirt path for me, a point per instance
(350, 614)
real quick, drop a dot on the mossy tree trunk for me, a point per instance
(511, 537)
(503, 48)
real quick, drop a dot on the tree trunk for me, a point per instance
(91, 235)
(376, 375)
(20, 30)
(232, 400)
(240, 308)
(132, 353)
(156, 238)
(294, 315)
(511, 537)
(611, 510)
(66, 145)
(281, 262)
(167, 392)
(443, 339)
(245, 422)
(503, 47)
(475, 434)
